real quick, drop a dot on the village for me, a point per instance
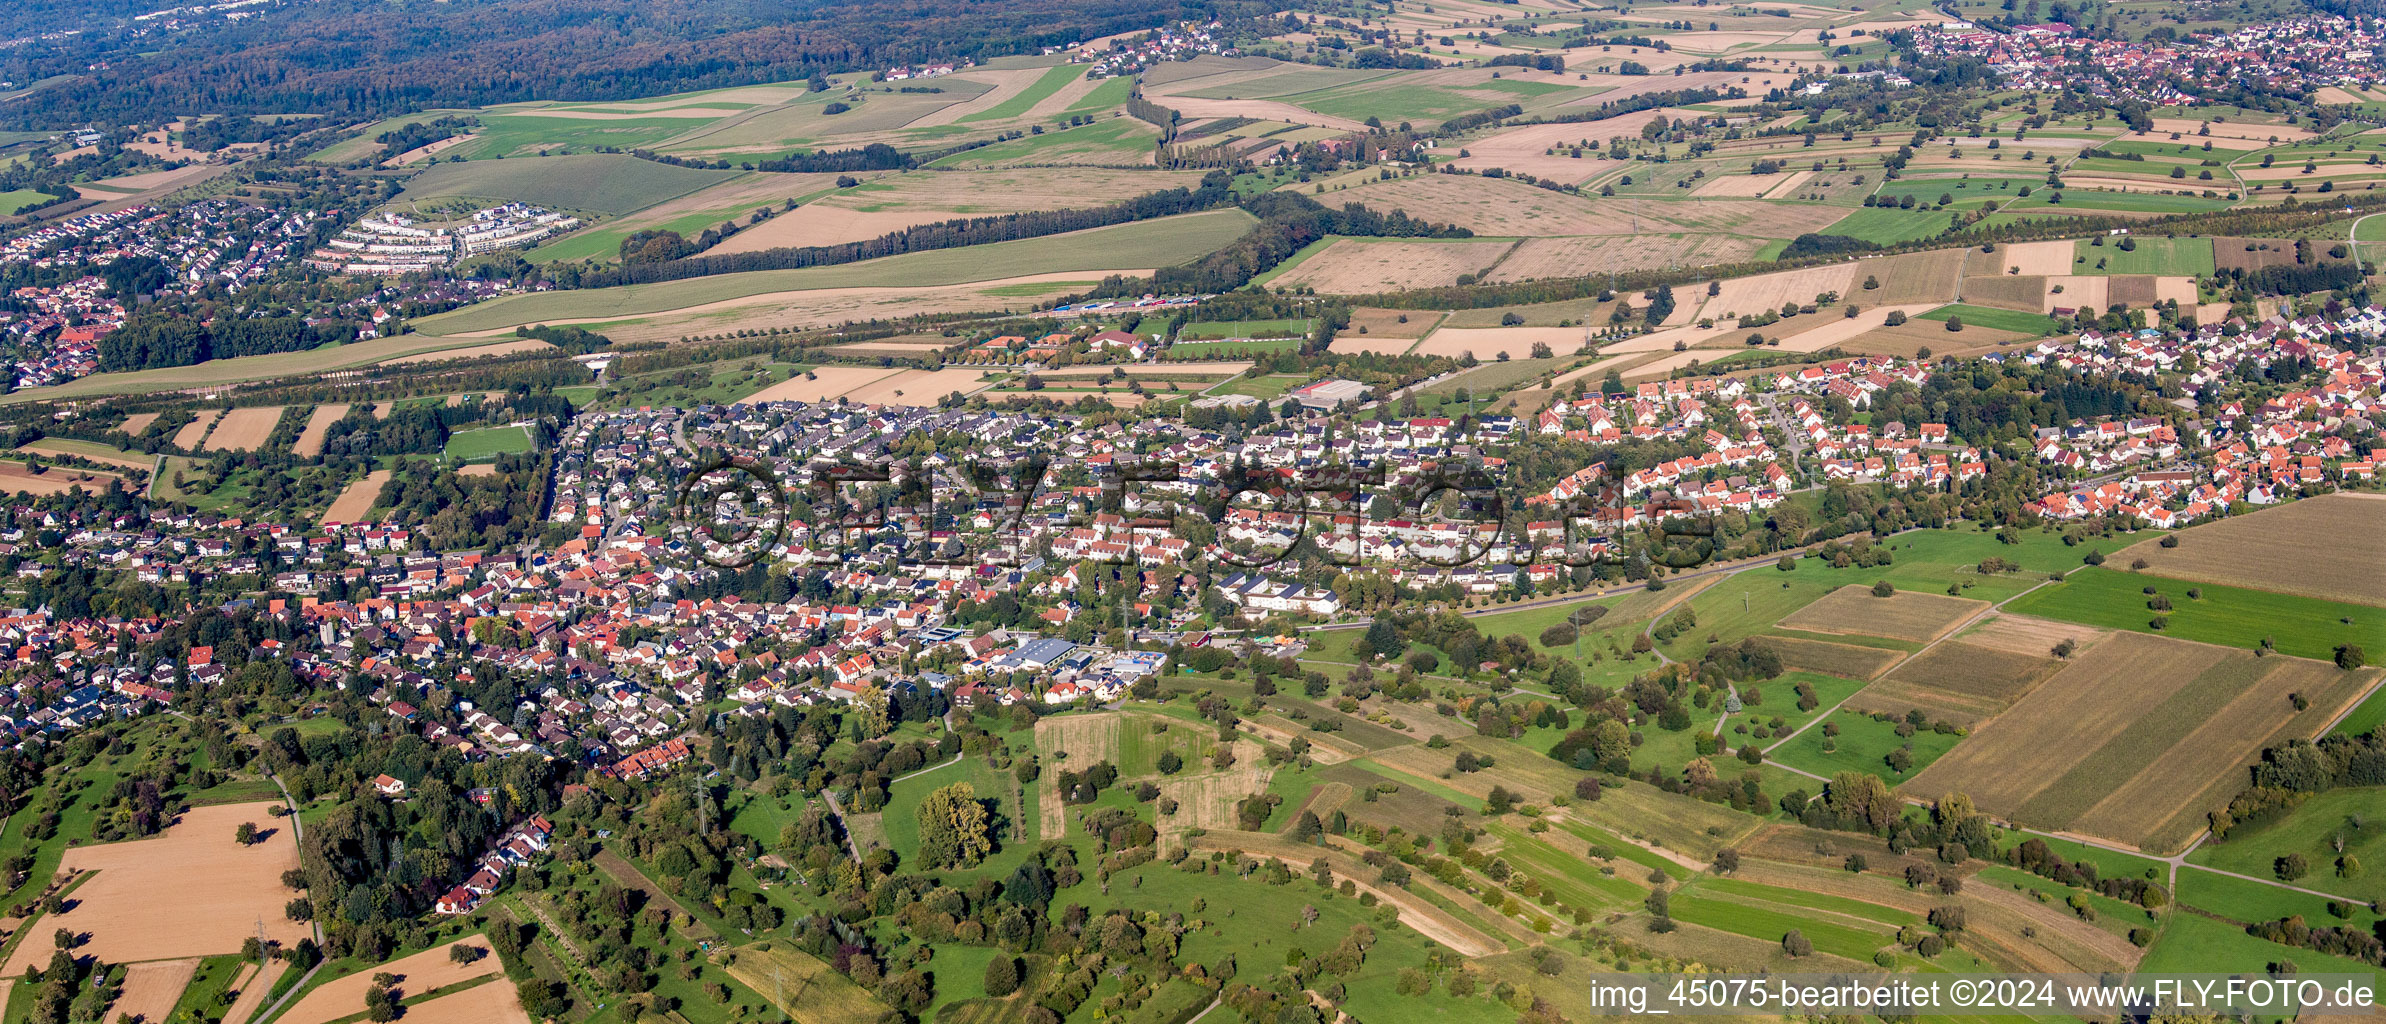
(2297, 56)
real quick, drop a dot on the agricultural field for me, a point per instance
(1145, 244)
(599, 183)
(2139, 762)
(2313, 548)
(2237, 617)
(894, 202)
(222, 889)
(1355, 266)
(1906, 615)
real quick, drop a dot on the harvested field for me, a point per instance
(2170, 288)
(1848, 660)
(194, 433)
(2018, 755)
(1208, 800)
(1915, 277)
(2328, 547)
(2077, 293)
(2023, 634)
(820, 384)
(918, 387)
(815, 306)
(502, 348)
(1006, 85)
(1749, 296)
(2027, 292)
(1905, 615)
(477, 469)
(1390, 323)
(1744, 186)
(1825, 331)
(495, 1002)
(87, 450)
(1347, 345)
(1488, 343)
(2264, 134)
(1971, 676)
(2230, 253)
(220, 891)
(896, 202)
(151, 989)
(2037, 259)
(138, 423)
(423, 972)
(1351, 266)
(1071, 742)
(16, 477)
(2133, 290)
(253, 988)
(1911, 337)
(310, 440)
(1525, 149)
(357, 501)
(2203, 767)
(244, 429)
(1575, 255)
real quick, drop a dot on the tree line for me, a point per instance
(175, 337)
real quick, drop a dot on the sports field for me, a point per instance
(488, 443)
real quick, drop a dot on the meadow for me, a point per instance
(2153, 254)
(2035, 324)
(2245, 619)
(2313, 828)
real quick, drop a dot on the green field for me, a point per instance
(1051, 82)
(2305, 627)
(1118, 140)
(1153, 243)
(1861, 746)
(1994, 319)
(17, 199)
(2192, 942)
(489, 443)
(604, 183)
(1964, 192)
(1890, 227)
(2128, 202)
(2368, 716)
(2153, 255)
(1278, 328)
(2355, 815)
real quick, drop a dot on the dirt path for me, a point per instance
(1425, 918)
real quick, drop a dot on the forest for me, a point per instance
(364, 57)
